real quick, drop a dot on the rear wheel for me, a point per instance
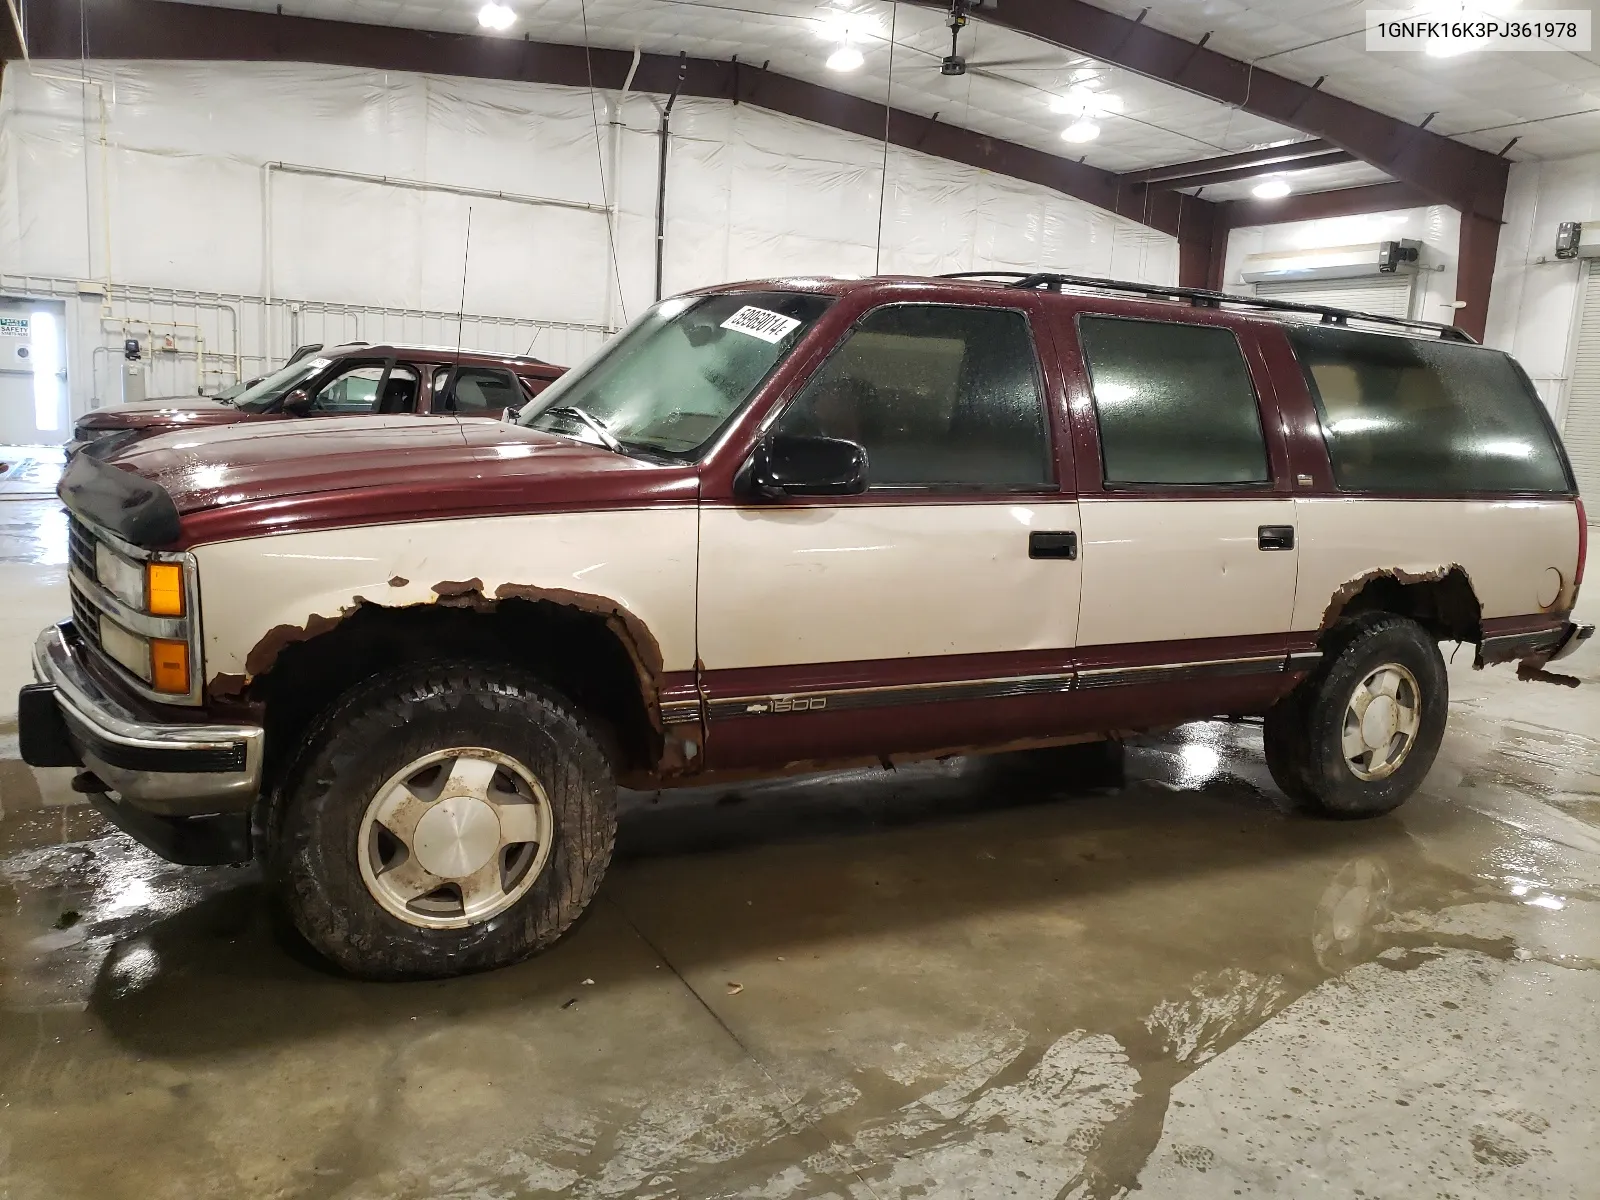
(1358, 736)
(444, 819)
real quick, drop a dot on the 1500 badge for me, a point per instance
(786, 704)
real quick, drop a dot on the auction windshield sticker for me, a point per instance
(762, 323)
(1444, 29)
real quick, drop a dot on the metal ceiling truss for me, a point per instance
(1429, 168)
(1449, 172)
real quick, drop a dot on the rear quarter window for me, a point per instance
(1419, 417)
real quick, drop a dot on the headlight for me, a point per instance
(163, 663)
(119, 576)
(154, 594)
(152, 587)
(129, 649)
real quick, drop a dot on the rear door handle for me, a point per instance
(1050, 544)
(1275, 537)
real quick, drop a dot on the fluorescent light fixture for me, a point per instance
(1271, 189)
(496, 16)
(845, 58)
(1080, 131)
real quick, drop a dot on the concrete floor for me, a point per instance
(980, 979)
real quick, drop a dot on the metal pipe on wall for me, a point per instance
(266, 265)
(417, 185)
(611, 191)
(664, 135)
(105, 166)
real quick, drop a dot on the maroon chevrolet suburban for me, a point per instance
(778, 527)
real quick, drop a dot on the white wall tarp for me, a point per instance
(165, 176)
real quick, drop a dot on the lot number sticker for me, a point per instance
(760, 323)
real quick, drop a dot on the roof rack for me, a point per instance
(1205, 298)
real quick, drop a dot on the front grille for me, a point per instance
(81, 552)
(85, 617)
(80, 546)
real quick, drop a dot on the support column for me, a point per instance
(1202, 241)
(1480, 238)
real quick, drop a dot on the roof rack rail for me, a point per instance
(1206, 298)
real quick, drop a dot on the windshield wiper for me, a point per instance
(607, 438)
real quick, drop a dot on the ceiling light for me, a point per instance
(495, 16)
(1080, 131)
(845, 58)
(1271, 189)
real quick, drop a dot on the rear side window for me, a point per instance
(478, 391)
(1174, 403)
(1401, 414)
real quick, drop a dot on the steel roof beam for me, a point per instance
(1272, 156)
(1448, 172)
(1333, 158)
(158, 29)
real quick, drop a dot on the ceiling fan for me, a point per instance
(955, 63)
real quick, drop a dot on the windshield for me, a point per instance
(674, 377)
(259, 397)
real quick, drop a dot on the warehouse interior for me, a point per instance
(1053, 973)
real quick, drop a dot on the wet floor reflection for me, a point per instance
(33, 532)
(912, 951)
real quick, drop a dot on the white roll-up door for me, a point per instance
(1381, 295)
(1580, 428)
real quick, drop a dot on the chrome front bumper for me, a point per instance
(167, 770)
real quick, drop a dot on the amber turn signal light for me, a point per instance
(169, 666)
(164, 588)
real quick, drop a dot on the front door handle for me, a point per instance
(1052, 544)
(1275, 537)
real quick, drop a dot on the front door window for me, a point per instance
(368, 388)
(939, 396)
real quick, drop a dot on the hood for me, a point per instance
(248, 479)
(164, 411)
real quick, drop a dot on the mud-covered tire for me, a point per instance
(392, 720)
(1304, 732)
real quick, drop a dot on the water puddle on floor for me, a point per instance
(987, 976)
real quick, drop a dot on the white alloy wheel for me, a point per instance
(455, 838)
(1381, 720)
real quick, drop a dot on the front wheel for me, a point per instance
(444, 819)
(1359, 735)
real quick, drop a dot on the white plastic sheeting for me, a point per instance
(156, 175)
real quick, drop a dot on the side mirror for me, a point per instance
(297, 402)
(510, 415)
(787, 465)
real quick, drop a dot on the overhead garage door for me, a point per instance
(1581, 427)
(1382, 295)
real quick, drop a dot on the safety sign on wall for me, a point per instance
(16, 327)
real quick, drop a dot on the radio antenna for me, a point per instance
(461, 312)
